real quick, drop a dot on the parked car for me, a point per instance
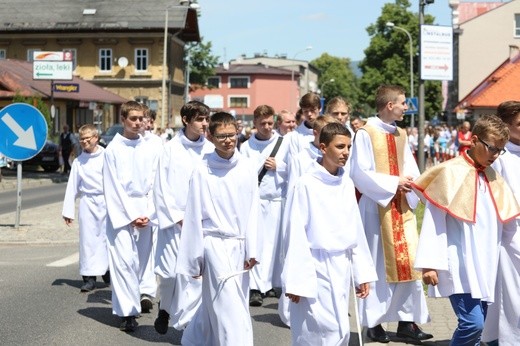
(107, 136)
(48, 158)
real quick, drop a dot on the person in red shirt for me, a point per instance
(464, 137)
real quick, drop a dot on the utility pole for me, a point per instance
(420, 156)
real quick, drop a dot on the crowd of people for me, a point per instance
(306, 208)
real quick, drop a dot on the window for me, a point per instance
(517, 25)
(238, 102)
(30, 53)
(214, 82)
(141, 59)
(71, 54)
(105, 60)
(238, 82)
(143, 100)
(3, 54)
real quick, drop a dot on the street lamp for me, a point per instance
(324, 83)
(186, 4)
(393, 26)
(292, 70)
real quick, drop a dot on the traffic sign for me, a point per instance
(413, 105)
(60, 70)
(23, 131)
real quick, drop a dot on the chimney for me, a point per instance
(513, 51)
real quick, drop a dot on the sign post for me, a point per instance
(23, 130)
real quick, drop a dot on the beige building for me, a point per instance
(119, 45)
(488, 32)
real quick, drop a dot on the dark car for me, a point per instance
(107, 136)
(48, 158)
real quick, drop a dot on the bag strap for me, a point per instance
(273, 154)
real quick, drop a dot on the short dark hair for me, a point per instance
(508, 110)
(221, 119)
(310, 100)
(192, 110)
(331, 130)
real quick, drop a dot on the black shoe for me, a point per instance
(106, 277)
(378, 334)
(412, 331)
(161, 322)
(271, 293)
(255, 298)
(89, 285)
(129, 324)
(146, 303)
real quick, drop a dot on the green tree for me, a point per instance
(387, 59)
(202, 62)
(345, 81)
(38, 103)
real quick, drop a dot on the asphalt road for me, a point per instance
(32, 196)
(42, 305)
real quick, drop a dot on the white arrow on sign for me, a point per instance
(26, 138)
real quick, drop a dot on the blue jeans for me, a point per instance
(471, 314)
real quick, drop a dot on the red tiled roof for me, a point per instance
(501, 85)
(470, 10)
(16, 76)
(253, 69)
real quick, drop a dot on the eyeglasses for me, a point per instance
(339, 113)
(86, 139)
(222, 137)
(491, 149)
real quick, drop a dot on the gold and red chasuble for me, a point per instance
(398, 224)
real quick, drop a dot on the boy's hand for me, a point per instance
(141, 222)
(250, 264)
(68, 221)
(363, 290)
(293, 297)
(405, 184)
(429, 276)
(270, 164)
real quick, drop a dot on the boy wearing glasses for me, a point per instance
(467, 204)
(219, 239)
(86, 182)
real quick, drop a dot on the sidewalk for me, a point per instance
(44, 225)
(40, 225)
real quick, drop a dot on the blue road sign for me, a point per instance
(23, 131)
(413, 105)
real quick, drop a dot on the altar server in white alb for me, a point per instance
(382, 167)
(269, 152)
(503, 317)
(467, 205)
(86, 182)
(155, 144)
(326, 246)
(302, 136)
(129, 173)
(179, 294)
(218, 239)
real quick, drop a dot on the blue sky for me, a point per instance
(337, 27)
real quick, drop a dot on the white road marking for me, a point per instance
(65, 261)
